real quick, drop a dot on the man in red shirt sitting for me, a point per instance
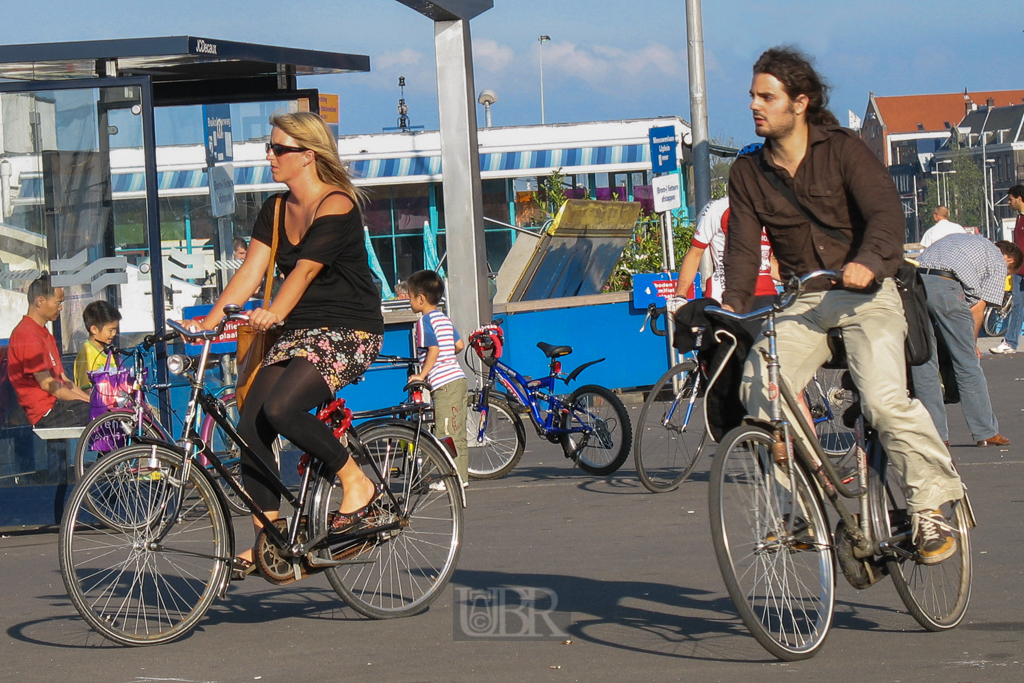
(48, 396)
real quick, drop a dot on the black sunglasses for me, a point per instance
(280, 150)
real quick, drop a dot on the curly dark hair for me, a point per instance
(795, 71)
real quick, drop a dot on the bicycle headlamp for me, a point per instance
(178, 364)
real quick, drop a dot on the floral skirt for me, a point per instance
(339, 353)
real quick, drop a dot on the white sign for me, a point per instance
(668, 194)
(222, 189)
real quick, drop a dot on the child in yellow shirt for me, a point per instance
(102, 320)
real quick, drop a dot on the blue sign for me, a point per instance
(653, 288)
(227, 342)
(217, 126)
(663, 149)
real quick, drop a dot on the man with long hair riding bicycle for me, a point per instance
(828, 203)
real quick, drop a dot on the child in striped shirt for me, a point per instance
(437, 341)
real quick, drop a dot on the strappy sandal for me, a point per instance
(342, 522)
(241, 568)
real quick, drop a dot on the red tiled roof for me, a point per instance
(902, 114)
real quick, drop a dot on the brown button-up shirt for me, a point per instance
(843, 185)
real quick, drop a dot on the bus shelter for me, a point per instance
(72, 112)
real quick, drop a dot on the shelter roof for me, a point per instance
(168, 59)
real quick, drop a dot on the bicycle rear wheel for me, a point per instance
(401, 570)
(827, 401)
(503, 441)
(606, 447)
(772, 544)
(130, 588)
(672, 433)
(936, 595)
(106, 434)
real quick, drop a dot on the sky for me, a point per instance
(604, 61)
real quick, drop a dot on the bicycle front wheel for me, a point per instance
(936, 595)
(503, 442)
(401, 569)
(605, 445)
(106, 434)
(671, 434)
(772, 543)
(130, 587)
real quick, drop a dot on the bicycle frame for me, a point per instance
(806, 447)
(530, 393)
(194, 446)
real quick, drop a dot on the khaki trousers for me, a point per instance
(450, 420)
(874, 330)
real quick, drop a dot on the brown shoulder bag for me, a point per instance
(254, 346)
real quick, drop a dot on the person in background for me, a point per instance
(962, 274)
(402, 289)
(943, 227)
(239, 248)
(48, 396)
(712, 227)
(102, 320)
(1011, 339)
(437, 341)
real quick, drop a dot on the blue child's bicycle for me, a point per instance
(590, 424)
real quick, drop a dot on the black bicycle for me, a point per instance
(147, 572)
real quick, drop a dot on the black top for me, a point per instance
(343, 294)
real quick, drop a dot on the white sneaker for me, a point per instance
(1003, 348)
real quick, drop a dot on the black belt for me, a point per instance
(948, 274)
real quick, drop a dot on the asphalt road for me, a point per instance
(633, 573)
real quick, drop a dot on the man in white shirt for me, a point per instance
(942, 228)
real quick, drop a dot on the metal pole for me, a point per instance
(698, 106)
(469, 305)
(542, 40)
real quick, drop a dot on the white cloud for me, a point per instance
(490, 55)
(404, 57)
(615, 69)
(416, 66)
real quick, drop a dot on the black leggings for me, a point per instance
(279, 402)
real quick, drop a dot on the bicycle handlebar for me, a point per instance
(655, 312)
(794, 288)
(196, 336)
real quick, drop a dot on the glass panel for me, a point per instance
(198, 247)
(63, 210)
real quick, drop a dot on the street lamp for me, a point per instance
(542, 40)
(487, 98)
(940, 188)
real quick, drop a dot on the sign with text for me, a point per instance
(663, 148)
(217, 126)
(330, 108)
(653, 288)
(668, 192)
(222, 189)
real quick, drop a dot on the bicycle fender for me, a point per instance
(443, 449)
(575, 373)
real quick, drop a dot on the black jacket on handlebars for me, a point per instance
(695, 330)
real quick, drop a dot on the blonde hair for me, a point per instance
(312, 133)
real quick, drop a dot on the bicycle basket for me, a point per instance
(488, 342)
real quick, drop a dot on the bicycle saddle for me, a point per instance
(552, 351)
(837, 349)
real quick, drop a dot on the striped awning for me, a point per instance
(422, 168)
